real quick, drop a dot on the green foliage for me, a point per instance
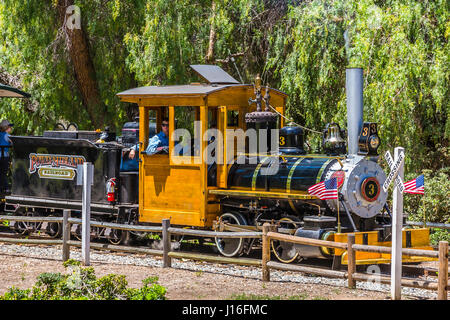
(39, 61)
(437, 235)
(82, 284)
(176, 34)
(110, 286)
(149, 291)
(16, 294)
(300, 47)
(402, 47)
(297, 46)
(434, 205)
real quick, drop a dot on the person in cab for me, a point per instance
(159, 143)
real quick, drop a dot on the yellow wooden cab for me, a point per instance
(176, 187)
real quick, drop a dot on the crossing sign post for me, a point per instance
(397, 173)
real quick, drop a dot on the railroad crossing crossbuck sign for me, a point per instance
(394, 171)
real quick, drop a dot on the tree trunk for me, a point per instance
(212, 35)
(78, 48)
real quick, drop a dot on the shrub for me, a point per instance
(433, 205)
(147, 292)
(82, 284)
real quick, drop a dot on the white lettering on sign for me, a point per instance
(394, 171)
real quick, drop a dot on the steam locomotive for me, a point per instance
(230, 197)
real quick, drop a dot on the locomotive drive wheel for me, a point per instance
(231, 247)
(118, 237)
(25, 228)
(20, 227)
(77, 233)
(285, 251)
(54, 229)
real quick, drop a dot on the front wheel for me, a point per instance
(118, 236)
(285, 251)
(227, 246)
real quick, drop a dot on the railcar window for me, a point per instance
(212, 117)
(212, 164)
(155, 117)
(152, 128)
(188, 137)
(233, 118)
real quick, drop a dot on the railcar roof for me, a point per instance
(213, 94)
(192, 89)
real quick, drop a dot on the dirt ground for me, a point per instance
(20, 271)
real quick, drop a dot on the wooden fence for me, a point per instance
(268, 234)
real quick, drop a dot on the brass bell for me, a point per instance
(334, 135)
(332, 142)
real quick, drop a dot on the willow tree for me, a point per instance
(402, 47)
(180, 33)
(301, 47)
(72, 71)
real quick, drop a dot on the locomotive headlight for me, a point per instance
(369, 141)
(374, 142)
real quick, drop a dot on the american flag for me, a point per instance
(325, 190)
(416, 185)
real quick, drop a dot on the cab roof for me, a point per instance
(193, 89)
(221, 89)
(198, 94)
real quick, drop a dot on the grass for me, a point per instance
(199, 273)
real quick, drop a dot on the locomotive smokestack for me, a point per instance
(354, 91)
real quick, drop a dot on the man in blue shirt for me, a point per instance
(5, 143)
(158, 143)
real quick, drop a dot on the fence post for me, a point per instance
(66, 235)
(88, 178)
(351, 256)
(443, 270)
(167, 261)
(265, 252)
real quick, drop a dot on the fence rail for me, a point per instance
(267, 235)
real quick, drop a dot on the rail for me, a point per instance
(267, 235)
(429, 224)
